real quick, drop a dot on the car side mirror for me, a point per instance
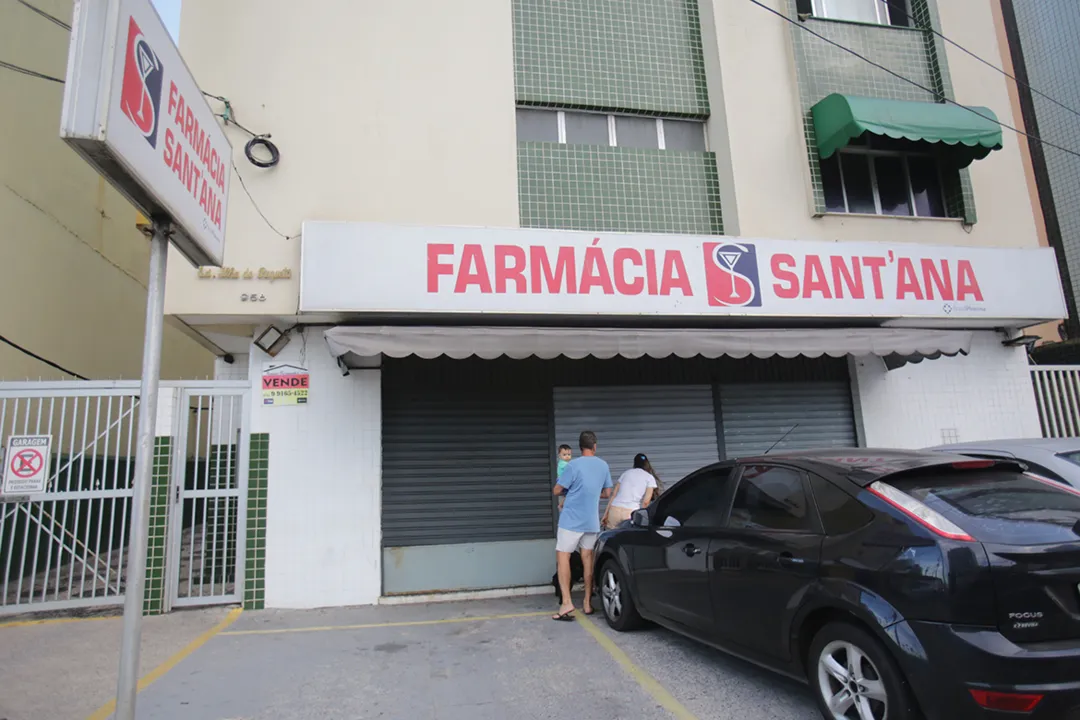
(640, 518)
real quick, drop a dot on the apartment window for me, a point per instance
(872, 181)
(877, 12)
(631, 131)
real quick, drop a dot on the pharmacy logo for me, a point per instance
(731, 275)
(140, 95)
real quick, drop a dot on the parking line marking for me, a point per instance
(647, 682)
(56, 621)
(368, 626)
(110, 707)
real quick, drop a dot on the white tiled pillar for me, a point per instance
(985, 395)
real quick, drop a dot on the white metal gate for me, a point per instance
(208, 496)
(1057, 393)
(65, 547)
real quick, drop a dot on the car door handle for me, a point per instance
(786, 559)
(691, 551)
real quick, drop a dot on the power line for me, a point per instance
(47, 16)
(37, 357)
(879, 66)
(28, 71)
(256, 206)
(900, 8)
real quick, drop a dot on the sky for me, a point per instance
(169, 10)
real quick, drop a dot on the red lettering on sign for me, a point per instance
(675, 275)
(932, 279)
(473, 270)
(967, 284)
(852, 279)
(435, 268)
(906, 281)
(595, 273)
(875, 264)
(622, 284)
(564, 274)
(814, 279)
(285, 382)
(505, 271)
(650, 271)
(787, 287)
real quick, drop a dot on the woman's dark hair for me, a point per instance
(641, 462)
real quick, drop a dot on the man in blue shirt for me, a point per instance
(584, 481)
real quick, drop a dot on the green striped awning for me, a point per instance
(970, 134)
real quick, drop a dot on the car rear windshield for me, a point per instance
(999, 506)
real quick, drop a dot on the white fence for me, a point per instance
(66, 547)
(1057, 393)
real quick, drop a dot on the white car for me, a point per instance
(1055, 458)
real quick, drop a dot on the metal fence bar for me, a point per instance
(1057, 396)
(26, 530)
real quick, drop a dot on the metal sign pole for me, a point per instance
(127, 684)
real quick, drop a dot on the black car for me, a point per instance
(898, 584)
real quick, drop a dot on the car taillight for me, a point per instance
(1007, 702)
(920, 512)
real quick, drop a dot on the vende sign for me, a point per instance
(134, 112)
(361, 267)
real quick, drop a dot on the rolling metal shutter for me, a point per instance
(675, 425)
(465, 466)
(756, 415)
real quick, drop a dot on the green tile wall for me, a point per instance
(154, 598)
(634, 55)
(586, 187)
(255, 565)
(916, 54)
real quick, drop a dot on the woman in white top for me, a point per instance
(635, 489)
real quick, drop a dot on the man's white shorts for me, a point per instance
(568, 541)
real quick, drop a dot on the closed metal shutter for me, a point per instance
(756, 415)
(675, 425)
(465, 465)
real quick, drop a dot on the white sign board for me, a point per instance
(388, 269)
(26, 464)
(134, 112)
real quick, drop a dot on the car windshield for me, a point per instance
(1072, 456)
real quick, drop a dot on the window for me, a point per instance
(883, 177)
(840, 513)
(696, 503)
(771, 498)
(878, 12)
(632, 131)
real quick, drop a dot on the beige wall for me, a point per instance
(74, 266)
(768, 151)
(383, 111)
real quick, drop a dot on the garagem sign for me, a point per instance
(388, 269)
(134, 112)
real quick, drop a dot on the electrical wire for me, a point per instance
(258, 209)
(37, 357)
(879, 66)
(47, 16)
(900, 8)
(28, 71)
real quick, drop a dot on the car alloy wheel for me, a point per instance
(611, 592)
(851, 684)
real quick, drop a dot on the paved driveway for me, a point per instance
(499, 659)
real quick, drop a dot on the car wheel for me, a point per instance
(854, 677)
(619, 609)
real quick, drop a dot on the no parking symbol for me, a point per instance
(26, 464)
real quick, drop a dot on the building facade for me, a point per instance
(1042, 54)
(698, 228)
(75, 291)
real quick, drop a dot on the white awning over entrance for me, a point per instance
(523, 342)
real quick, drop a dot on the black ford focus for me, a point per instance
(897, 584)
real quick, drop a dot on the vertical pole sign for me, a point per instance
(134, 112)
